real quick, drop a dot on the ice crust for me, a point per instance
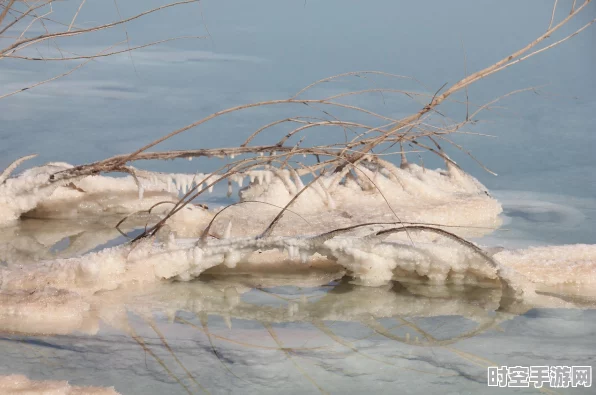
(32, 195)
(21, 194)
(554, 265)
(376, 193)
(413, 194)
(58, 294)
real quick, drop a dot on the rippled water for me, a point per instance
(241, 334)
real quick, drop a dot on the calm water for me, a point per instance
(329, 336)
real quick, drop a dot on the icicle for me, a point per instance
(320, 191)
(293, 252)
(232, 258)
(293, 308)
(303, 256)
(176, 183)
(171, 314)
(268, 176)
(141, 192)
(229, 193)
(188, 184)
(228, 232)
(210, 189)
(232, 156)
(290, 186)
(228, 321)
(283, 175)
(297, 180)
(404, 160)
(451, 168)
(190, 158)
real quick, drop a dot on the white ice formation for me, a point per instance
(62, 288)
(38, 289)
(368, 193)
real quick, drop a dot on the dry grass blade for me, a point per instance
(8, 171)
(326, 330)
(74, 18)
(205, 324)
(289, 356)
(21, 16)
(167, 346)
(373, 324)
(269, 229)
(205, 233)
(6, 9)
(509, 292)
(146, 348)
(237, 342)
(20, 44)
(552, 18)
(103, 55)
(398, 131)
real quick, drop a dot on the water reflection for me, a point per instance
(221, 334)
(217, 335)
(311, 330)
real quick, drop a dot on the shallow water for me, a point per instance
(328, 336)
(336, 338)
(305, 333)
